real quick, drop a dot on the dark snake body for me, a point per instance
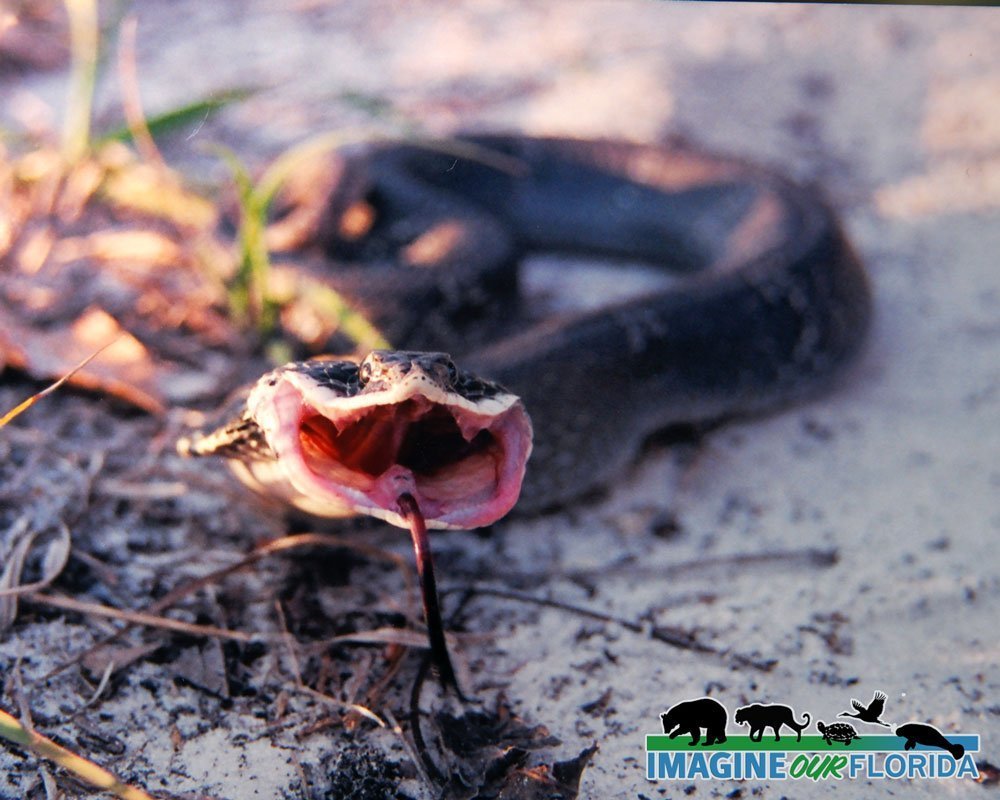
(771, 303)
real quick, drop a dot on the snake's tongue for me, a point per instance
(462, 461)
(410, 512)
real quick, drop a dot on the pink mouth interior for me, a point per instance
(459, 462)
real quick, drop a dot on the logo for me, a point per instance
(695, 745)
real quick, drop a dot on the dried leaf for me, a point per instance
(144, 189)
(125, 370)
(561, 781)
(400, 636)
(151, 249)
(55, 558)
(53, 561)
(11, 575)
(98, 661)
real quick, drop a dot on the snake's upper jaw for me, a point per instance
(462, 459)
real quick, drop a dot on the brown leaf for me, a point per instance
(96, 662)
(561, 781)
(54, 558)
(125, 370)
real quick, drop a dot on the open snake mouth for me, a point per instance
(424, 439)
(462, 458)
(403, 436)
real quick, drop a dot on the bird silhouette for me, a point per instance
(869, 713)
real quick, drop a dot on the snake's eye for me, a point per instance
(364, 373)
(452, 371)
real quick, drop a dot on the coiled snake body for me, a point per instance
(772, 305)
(769, 305)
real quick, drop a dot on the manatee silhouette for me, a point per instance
(917, 733)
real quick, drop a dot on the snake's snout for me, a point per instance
(463, 460)
(336, 438)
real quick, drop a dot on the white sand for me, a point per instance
(895, 112)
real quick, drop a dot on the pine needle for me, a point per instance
(25, 405)
(13, 731)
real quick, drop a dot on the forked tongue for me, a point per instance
(409, 510)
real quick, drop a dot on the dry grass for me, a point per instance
(73, 208)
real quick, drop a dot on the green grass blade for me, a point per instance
(190, 114)
(247, 291)
(13, 731)
(84, 36)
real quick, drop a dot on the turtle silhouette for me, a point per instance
(869, 713)
(918, 733)
(837, 732)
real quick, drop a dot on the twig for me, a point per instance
(54, 565)
(101, 686)
(289, 642)
(414, 756)
(83, 46)
(805, 557)
(13, 731)
(131, 99)
(434, 774)
(682, 641)
(283, 544)
(23, 406)
(523, 597)
(364, 711)
(142, 618)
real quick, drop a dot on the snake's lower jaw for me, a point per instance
(462, 461)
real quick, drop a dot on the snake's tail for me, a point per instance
(410, 511)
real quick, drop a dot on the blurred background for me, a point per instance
(892, 111)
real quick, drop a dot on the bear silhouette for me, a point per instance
(691, 716)
(759, 717)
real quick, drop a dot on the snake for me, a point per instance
(486, 407)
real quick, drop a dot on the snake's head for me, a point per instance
(337, 438)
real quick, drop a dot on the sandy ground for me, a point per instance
(894, 111)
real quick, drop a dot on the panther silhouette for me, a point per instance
(759, 717)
